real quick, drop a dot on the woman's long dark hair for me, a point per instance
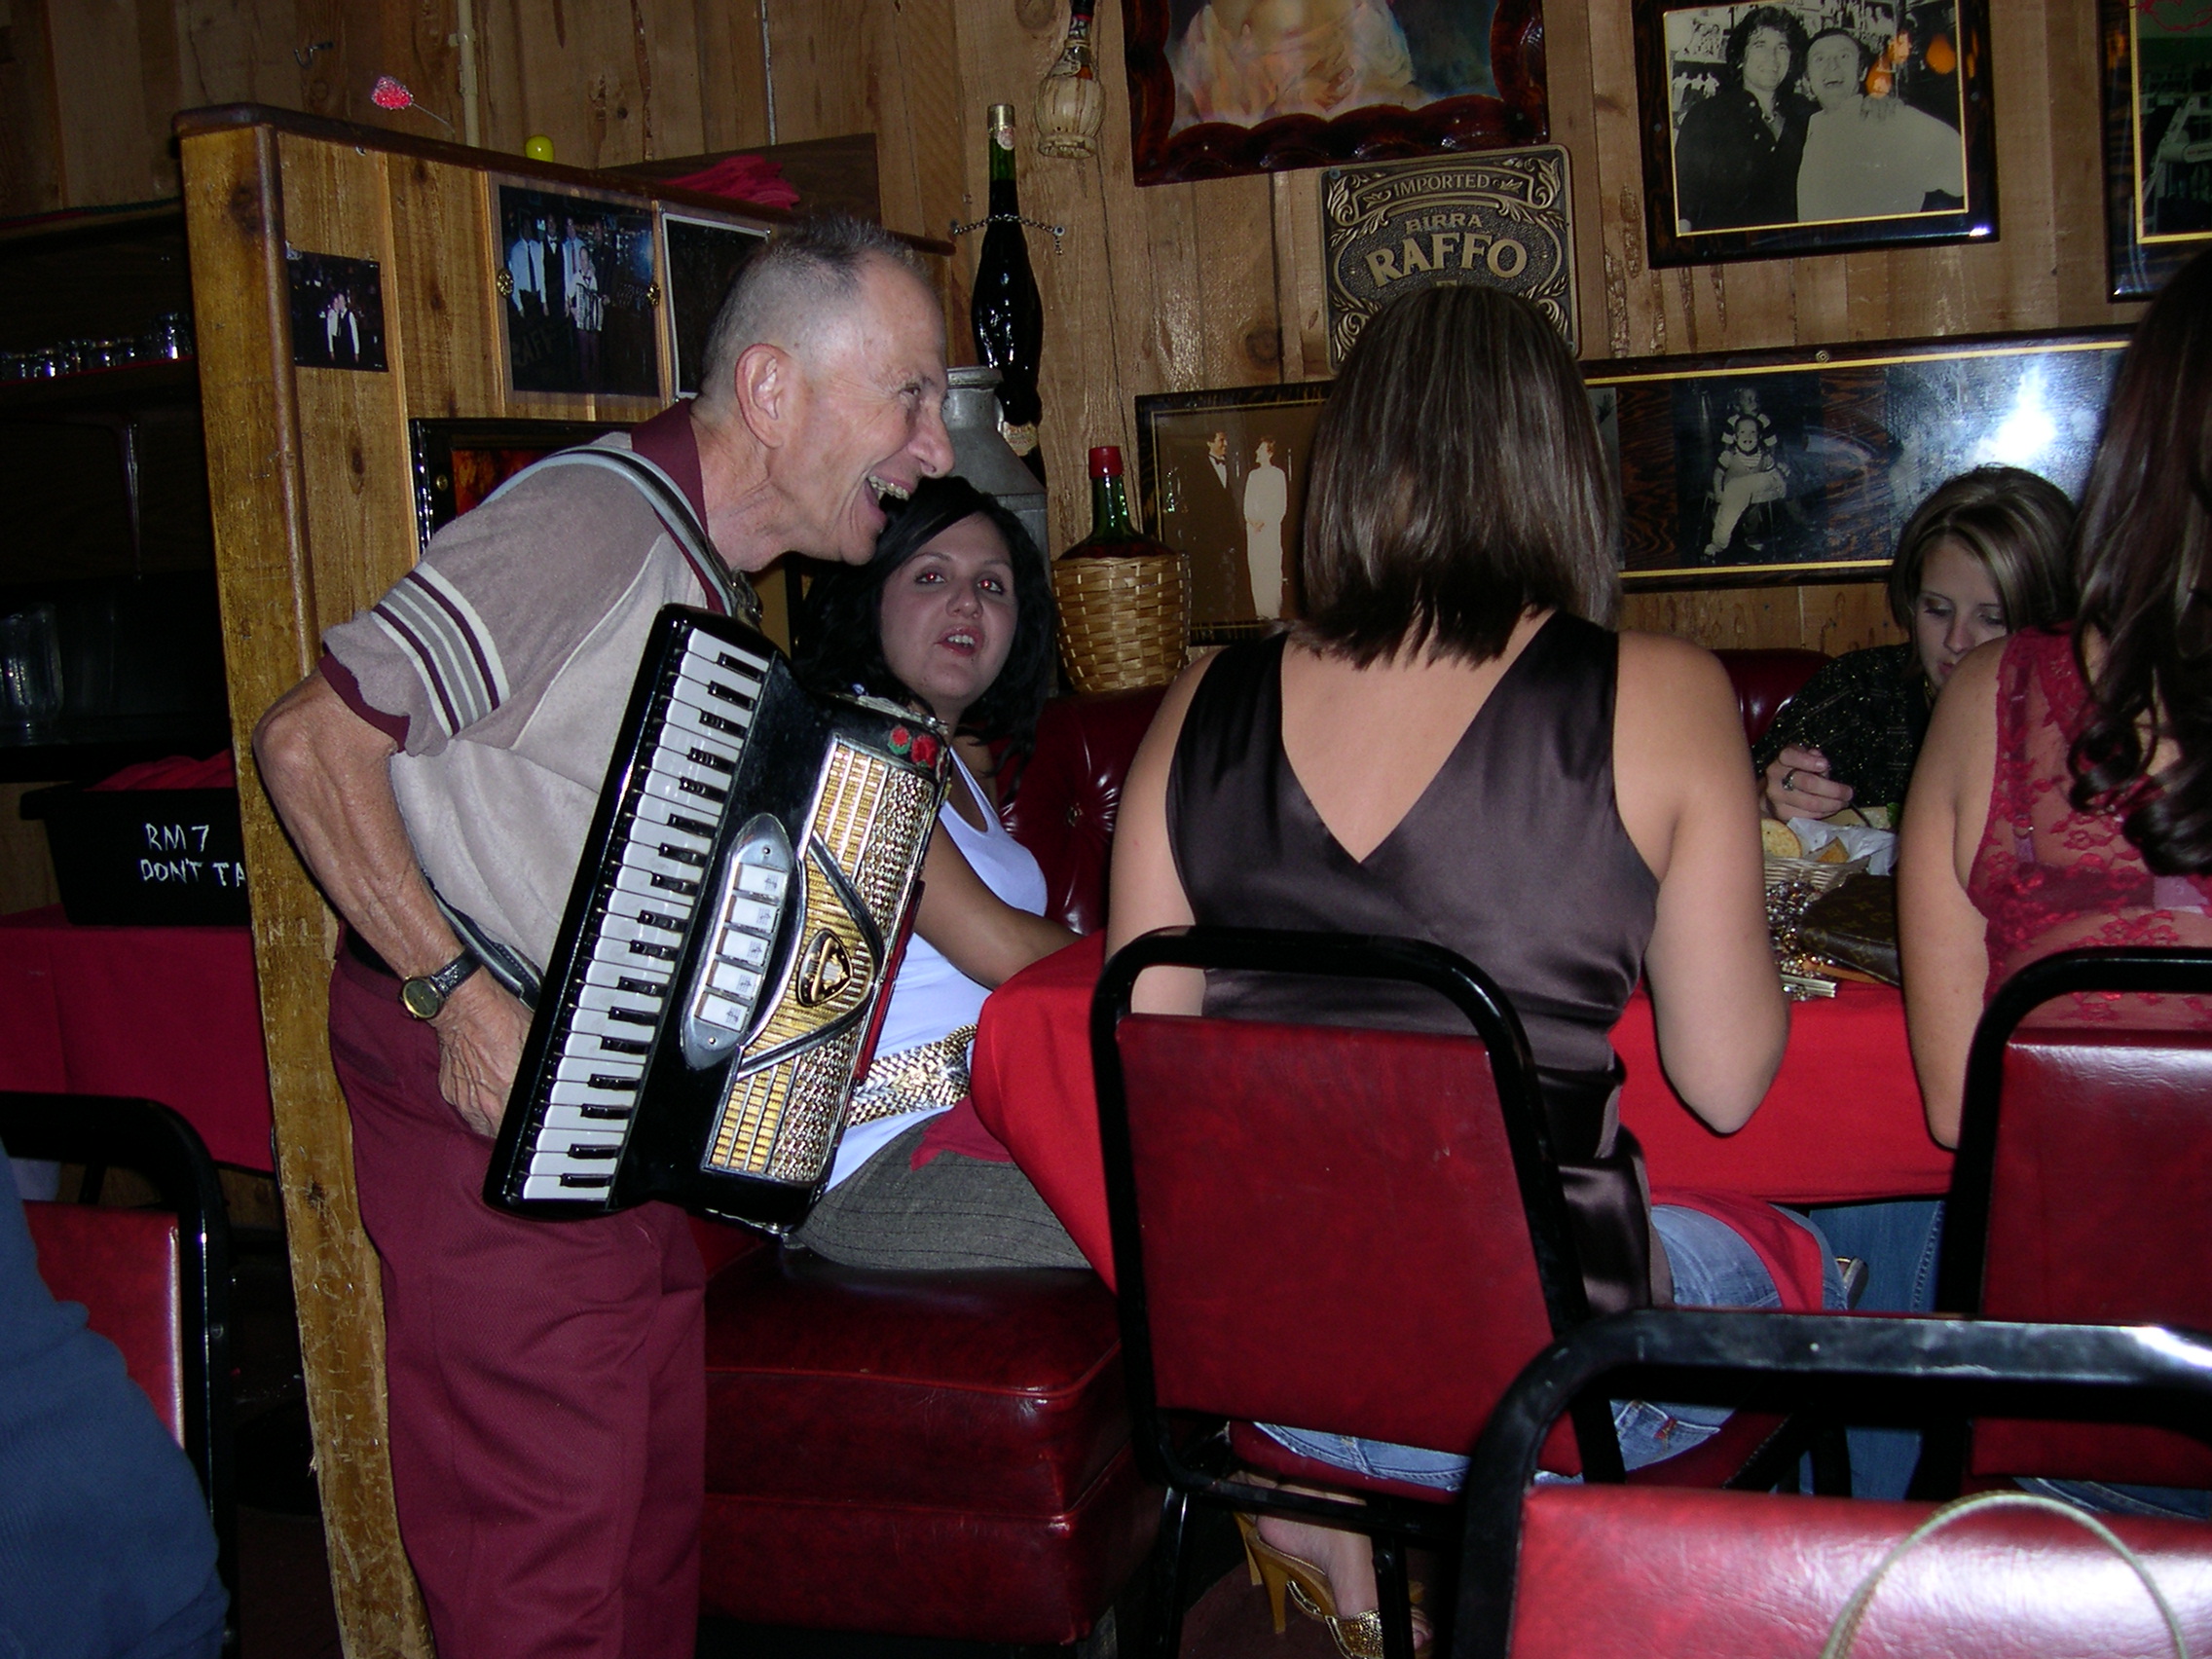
(840, 634)
(2140, 553)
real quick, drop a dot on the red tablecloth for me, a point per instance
(1841, 1123)
(169, 1013)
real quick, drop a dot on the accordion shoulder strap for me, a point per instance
(670, 507)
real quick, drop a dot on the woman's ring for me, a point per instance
(1788, 778)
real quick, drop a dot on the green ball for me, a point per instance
(538, 148)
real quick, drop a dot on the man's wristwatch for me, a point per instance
(424, 996)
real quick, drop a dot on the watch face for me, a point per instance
(421, 998)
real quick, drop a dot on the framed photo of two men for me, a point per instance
(1793, 127)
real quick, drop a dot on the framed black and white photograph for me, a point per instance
(337, 310)
(579, 294)
(1793, 465)
(702, 258)
(1223, 480)
(1811, 125)
(1223, 87)
(2157, 139)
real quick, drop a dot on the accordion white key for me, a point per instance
(730, 943)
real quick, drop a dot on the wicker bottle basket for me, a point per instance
(1124, 622)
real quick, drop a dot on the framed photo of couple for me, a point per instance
(1793, 127)
(1223, 479)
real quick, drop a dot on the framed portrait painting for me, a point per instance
(1223, 480)
(579, 294)
(2158, 62)
(1796, 126)
(1225, 87)
(1792, 466)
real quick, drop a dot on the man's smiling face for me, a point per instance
(870, 420)
(1832, 68)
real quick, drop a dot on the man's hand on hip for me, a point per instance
(481, 1031)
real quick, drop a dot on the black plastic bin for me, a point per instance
(144, 858)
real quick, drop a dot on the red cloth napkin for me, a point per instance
(1841, 1125)
(178, 772)
(743, 178)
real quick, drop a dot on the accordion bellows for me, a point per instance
(729, 942)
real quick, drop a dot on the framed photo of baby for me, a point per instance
(1221, 478)
(1223, 87)
(1791, 126)
(1796, 466)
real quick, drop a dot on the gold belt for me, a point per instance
(921, 1079)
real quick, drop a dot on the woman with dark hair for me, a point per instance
(2064, 796)
(953, 618)
(1452, 728)
(1984, 554)
(1737, 152)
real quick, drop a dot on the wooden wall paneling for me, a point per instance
(30, 132)
(1722, 618)
(101, 97)
(1177, 332)
(441, 289)
(1302, 277)
(1573, 102)
(1820, 293)
(266, 581)
(2074, 69)
(1844, 616)
(1633, 303)
(1237, 281)
(733, 76)
(359, 475)
(608, 84)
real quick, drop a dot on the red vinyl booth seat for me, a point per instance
(122, 1266)
(948, 1454)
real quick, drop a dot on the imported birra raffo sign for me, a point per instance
(1500, 218)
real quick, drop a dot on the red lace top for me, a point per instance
(2049, 878)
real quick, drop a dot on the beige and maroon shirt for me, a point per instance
(501, 665)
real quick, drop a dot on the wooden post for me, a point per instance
(235, 219)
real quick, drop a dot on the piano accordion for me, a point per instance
(729, 942)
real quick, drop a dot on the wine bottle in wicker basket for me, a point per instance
(1125, 598)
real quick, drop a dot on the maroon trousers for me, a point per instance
(547, 1378)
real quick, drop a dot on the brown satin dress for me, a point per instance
(1514, 856)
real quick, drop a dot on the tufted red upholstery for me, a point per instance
(2100, 1212)
(938, 1454)
(1070, 794)
(123, 1266)
(1765, 680)
(1637, 1573)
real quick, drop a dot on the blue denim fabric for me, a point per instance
(1900, 1241)
(1712, 1266)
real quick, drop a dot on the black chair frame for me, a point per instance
(1199, 1465)
(1883, 1366)
(1966, 1227)
(114, 1131)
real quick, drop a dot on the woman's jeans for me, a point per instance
(1712, 1266)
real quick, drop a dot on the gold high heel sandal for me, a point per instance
(1358, 1635)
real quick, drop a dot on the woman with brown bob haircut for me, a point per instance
(1453, 746)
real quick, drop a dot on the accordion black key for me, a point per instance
(729, 942)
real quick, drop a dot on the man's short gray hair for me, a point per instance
(797, 273)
